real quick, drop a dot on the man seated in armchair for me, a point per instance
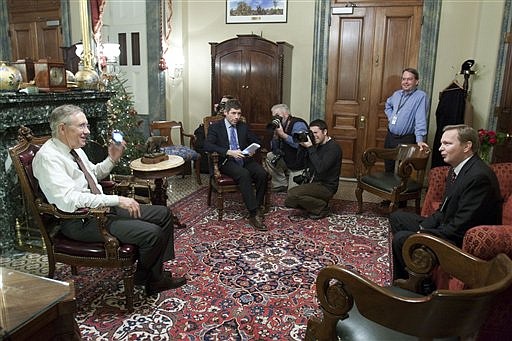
(70, 181)
(472, 197)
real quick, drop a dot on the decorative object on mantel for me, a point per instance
(488, 139)
(50, 76)
(10, 77)
(26, 67)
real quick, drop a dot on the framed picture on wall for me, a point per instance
(256, 11)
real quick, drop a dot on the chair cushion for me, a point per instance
(225, 180)
(65, 245)
(356, 327)
(185, 152)
(388, 181)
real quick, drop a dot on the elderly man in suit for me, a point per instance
(229, 137)
(472, 197)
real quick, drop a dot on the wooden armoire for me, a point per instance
(255, 70)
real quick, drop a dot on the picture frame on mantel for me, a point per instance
(256, 11)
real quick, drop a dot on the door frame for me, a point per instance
(426, 62)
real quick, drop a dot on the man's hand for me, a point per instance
(115, 151)
(237, 154)
(131, 205)
(423, 146)
(307, 143)
(280, 132)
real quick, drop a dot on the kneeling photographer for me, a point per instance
(286, 159)
(320, 179)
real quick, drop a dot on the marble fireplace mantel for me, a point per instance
(33, 111)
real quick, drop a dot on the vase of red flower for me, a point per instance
(488, 139)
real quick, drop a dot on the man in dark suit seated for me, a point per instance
(229, 137)
(472, 197)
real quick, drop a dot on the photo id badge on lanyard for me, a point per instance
(393, 119)
(400, 105)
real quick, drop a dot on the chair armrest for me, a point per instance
(100, 214)
(371, 156)
(487, 241)
(214, 157)
(435, 191)
(192, 141)
(422, 254)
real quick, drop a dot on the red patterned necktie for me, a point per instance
(451, 176)
(88, 177)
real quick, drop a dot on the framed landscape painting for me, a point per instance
(256, 11)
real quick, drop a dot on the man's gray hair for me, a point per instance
(62, 114)
(280, 108)
(466, 134)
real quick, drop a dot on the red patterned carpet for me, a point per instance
(242, 284)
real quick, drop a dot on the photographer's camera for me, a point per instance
(303, 178)
(302, 136)
(275, 123)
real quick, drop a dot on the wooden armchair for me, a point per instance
(108, 254)
(166, 128)
(355, 308)
(406, 183)
(221, 183)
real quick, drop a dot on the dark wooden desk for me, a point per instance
(158, 172)
(36, 308)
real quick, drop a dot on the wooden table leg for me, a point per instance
(160, 198)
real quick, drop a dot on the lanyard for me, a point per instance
(407, 96)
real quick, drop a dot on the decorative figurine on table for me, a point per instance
(154, 153)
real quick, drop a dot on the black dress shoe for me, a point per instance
(321, 215)
(257, 222)
(164, 284)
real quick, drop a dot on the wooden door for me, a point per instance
(367, 52)
(503, 153)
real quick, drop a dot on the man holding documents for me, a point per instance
(229, 138)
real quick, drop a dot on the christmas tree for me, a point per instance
(123, 116)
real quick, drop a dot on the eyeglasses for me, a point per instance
(81, 127)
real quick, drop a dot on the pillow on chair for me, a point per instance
(185, 152)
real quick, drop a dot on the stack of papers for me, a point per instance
(251, 149)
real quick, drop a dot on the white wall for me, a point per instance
(204, 22)
(468, 30)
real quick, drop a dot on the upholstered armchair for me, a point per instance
(110, 253)
(481, 241)
(354, 308)
(405, 183)
(178, 147)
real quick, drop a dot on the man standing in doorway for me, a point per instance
(406, 111)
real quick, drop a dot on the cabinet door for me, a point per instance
(49, 41)
(23, 41)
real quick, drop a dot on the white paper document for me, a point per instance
(251, 149)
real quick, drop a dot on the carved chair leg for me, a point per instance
(51, 266)
(359, 196)
(417, 205)
(197, 166)
(209, 198)
(220, 205)
(128, 286)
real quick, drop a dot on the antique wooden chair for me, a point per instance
(166, 128)
(107, 254)
(221, 183)
(355, 308)
(406, 183)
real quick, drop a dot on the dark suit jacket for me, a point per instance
(218, 140)
(474, 199)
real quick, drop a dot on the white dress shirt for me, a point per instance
(62, 181)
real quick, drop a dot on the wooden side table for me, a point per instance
(158, 172)
(36, 308)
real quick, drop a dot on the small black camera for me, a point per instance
(303, 178)
(302, 136)
(275, 123)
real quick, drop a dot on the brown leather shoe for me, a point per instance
(257, 223)
(165, 283)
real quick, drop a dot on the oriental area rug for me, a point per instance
(242, 284)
